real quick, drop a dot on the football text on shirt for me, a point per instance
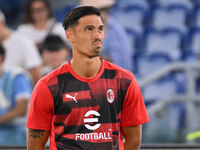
(93, 136)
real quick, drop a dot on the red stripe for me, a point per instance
(79, 96)
(98, 87)
(53, 81)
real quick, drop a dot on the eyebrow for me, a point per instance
(101, 26)
(91, 26)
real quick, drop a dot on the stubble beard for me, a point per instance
(98, 51)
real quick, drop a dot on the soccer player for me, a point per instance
(88, 103)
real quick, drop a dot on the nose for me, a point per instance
(98, 34)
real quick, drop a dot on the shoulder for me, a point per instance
(122, 73)
(20, 37)
(21, 43)
(25, 27)
(15, 71)
(17, 75)
(59, 25)
(52, 76)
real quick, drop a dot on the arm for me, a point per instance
(19, 110)
(132, 137)
(36, 139)
(39, 117)
(35, 73)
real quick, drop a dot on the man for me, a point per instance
(20, 51)
(88, 103)
(15, 89)
(117, 47)
(54, 53)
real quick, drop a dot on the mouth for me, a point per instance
(97, 43)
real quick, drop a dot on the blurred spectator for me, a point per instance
(15, 89)
(38, 22)
(54, 52)
(59, 4)
(20, 51)
(13, 11)
(116, 46)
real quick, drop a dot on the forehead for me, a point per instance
(37, 4)
(90, 20)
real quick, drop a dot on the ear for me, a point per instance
(69, 35)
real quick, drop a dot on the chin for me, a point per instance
(98, 50)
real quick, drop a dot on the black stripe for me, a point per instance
(68, 83)
(109, 74)
(122, 88)
(69, 144)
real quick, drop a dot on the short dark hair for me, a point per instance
(53, 43)
(75, 14)
(2, 51)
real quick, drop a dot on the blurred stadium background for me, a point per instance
(165, 37)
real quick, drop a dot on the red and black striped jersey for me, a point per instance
(86, 113)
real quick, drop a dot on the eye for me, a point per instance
(88, 29)
(101, 28)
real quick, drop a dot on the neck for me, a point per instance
(5, 34)
(40, 25)
(87, 68)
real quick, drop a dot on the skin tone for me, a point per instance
(133, 136)
(86, 39)
(39, 14)
(5, 32)
(55, 58)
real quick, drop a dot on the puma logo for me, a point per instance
(73, 97)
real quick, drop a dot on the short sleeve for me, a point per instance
(22, 87)
(133, 110)
(41, 108)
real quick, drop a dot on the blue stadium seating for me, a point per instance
(184, 3)
(136, 3)
(169, 17)
(195, 16)
(131, 17)
(148, 63)
(193, 39)
(167, 41)
(167, 123)
(60, 13)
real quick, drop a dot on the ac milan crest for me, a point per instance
(110, 95)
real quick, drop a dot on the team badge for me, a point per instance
(110, 95)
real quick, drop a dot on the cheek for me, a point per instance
(46, 14)
(45, 56)
(80, 42)
(82, 38)
(62, 55)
